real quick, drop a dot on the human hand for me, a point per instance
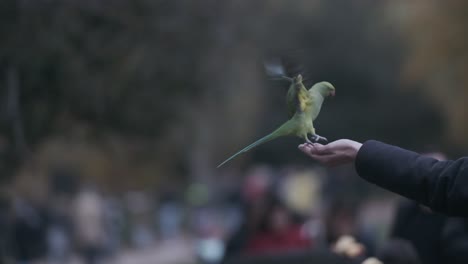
(335, 153)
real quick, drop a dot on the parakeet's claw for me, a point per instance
(323, 139)
(317, 139)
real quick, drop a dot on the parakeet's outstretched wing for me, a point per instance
(297, 98)
(274, 67)
(291, 100)
(283, 65)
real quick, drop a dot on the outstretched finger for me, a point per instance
(320, 149)
(310, 150)
(306, 148)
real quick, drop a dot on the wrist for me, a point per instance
(354, 149)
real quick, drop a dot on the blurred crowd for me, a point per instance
(265, 212)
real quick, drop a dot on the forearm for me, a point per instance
(442, 185)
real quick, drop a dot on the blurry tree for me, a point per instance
(144, 74)
(167, 89)
(437, 57)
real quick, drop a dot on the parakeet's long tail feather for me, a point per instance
(249, 147)
(281, 131)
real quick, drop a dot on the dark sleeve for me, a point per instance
(441, 185)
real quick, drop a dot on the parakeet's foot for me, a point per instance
(308, 141)
(316, 138)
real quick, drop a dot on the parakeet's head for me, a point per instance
(325, 88)
(329, 88)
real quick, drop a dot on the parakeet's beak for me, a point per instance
(332, 93)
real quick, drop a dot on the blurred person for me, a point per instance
(232, 211)
(237, 241)
(5, 226)
(278, 231)
(374, 220)
(114, 219)
(60, 229)
(258, 183)
(139, 207)
(436, 237)
(340, 220)
(441, 185)
(301, 191)
(169, 216)
(63, 186)
(27, 238)
(89, 224)
(399, 251)
(59, 244)
(252, 198)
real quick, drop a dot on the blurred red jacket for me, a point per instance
(291, 239)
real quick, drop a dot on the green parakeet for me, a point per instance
(303, 108)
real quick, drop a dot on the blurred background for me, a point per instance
(114, 115)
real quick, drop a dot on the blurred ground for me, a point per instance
(177, 251)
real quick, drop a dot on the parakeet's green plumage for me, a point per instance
(317, 93)
(303, 108)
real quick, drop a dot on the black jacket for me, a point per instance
(441, 185)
